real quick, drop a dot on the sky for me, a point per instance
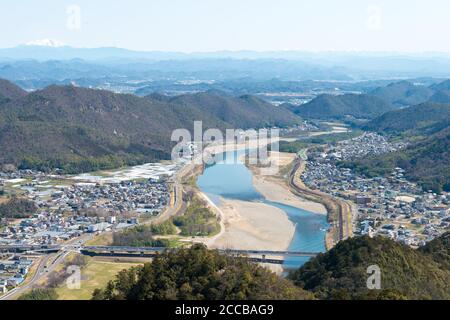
(214, 25)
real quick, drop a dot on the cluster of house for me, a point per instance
(305, 126)
(147, 196)
(46, 228)
(68, 208)
(367, 144)
(390, 206)
(13, 272)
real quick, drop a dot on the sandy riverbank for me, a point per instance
(275, 190)
(252, 225)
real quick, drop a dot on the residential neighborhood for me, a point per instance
(13, 270)
(69, 206)
(389, 206)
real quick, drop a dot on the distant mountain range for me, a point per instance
(396, 95)
(79, 129)
(286, 65)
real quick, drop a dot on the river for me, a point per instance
(231, 179)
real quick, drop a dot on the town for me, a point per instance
(389, 206)
(69, 207)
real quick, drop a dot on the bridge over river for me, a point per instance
(266, 256)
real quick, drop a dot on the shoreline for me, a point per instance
(275, 190)
(340, 212)
(248, 225)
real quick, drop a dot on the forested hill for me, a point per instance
(199, 274)
(425, 118)
(403, 93)
(375, 103)
(79, 129)
(243, 112)
(10, 91)
(341, 273)
(343, 107)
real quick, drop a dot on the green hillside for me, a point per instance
(343, 107)
(403, 93)
(425, 118)
(243, 112)
(9, 91)
(442, 96)
(341, 273)
(78, 129)
(199, 274)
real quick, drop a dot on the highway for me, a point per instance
(47, 265)
(224, 251)
(112, 249)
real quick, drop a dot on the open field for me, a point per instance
(104, 239)
(95, 274)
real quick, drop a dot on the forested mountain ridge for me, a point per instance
(199, 274)
(245, 111)
(78, 129)
(359, 106)
(374, 103)
(341, 273)
(10, 91)
(403, 93)
(425, 118)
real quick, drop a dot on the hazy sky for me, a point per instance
(209, 25)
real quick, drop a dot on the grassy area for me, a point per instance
(165, 228)
(95, 274)
(103, 239)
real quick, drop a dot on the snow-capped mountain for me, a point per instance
(46, 43)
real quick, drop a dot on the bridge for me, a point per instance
(267, 256)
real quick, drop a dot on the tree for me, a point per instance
(198, 274)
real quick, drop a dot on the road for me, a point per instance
(47, 265)
(225, 251)
(339, 211)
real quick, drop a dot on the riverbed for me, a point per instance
(260, 222)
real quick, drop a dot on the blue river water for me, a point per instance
(230, 179)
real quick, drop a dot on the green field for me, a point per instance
(95, 274)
